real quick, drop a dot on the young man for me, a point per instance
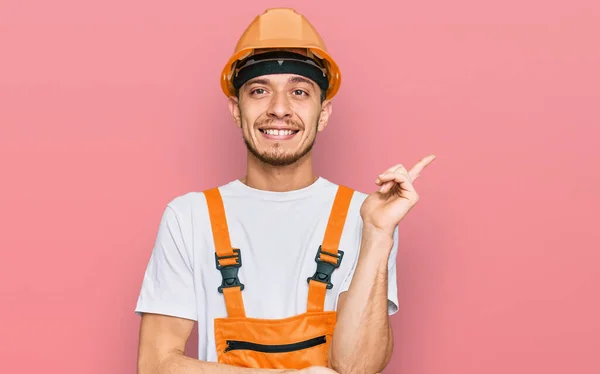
(282, 270)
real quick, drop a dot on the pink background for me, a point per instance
(109, 109)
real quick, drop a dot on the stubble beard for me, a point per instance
(275, 156)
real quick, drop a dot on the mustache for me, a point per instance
(288, 122)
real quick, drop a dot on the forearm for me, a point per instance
(362, 342)
(178, 363)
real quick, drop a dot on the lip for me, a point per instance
(278, 137)
(278, 128)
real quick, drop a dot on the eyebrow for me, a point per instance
(258, 81)
(297, 79)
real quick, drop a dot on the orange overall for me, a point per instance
(295, 342)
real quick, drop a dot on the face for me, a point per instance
(279, 116)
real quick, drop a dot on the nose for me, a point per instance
(279, 106)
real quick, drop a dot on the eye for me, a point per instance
(300, 92)
(257, 91)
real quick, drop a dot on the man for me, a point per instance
(282, 270)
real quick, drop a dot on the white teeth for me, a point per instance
(278, 132)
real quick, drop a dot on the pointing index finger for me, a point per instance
(419, 166)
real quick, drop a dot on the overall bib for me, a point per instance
(295, 342)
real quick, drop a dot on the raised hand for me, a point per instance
(385, 208)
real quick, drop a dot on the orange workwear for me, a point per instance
(295, 342)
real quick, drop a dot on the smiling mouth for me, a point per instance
(278, 134)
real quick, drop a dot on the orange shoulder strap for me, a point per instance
(329, 256)
(228, 260)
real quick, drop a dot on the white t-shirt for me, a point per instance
(278, 234)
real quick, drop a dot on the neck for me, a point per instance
(279, 178)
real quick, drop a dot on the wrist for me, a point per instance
(376, 234)
(376, 245)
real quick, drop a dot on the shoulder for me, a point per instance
(189, 210)
(358, 197)
(193, 202)
(185, 204)
(353, 218)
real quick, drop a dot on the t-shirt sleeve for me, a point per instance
(392, 278)
(168, 283)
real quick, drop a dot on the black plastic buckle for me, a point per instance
(325, 269)
(230, 272)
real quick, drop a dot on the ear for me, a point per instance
(324, 116)
(234, 108)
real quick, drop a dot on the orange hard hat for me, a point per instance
(281, 29)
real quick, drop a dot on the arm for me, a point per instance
(161, 350)
(363, 329)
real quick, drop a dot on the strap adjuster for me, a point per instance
(325, 269)
(230, 272)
